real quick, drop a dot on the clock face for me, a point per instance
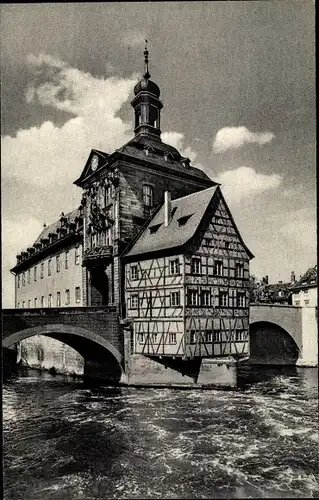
(94, 163)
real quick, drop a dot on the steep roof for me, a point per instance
(310, 278)
(52, 228)
(157, 150)
(174, 235)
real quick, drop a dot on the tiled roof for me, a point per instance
(52, 228)
(137, 145)
(310, 278)
(174, 235)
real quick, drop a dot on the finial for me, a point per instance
(146, 75)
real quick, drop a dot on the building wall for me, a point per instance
(36, 287)
(307, 297)
(201, 324)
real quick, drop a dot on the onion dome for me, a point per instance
(146, 85)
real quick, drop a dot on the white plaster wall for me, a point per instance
(309, 355)
(66, 279)
(305, 298)
(45, 353)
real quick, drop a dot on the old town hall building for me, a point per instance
(158, 240)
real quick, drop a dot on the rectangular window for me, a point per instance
(305, 291)
(58, 265)
(134, 273)
(141, 338)
(134, 301)
(217, 336)
(77, 256)
(239, 270)
(29, 303)
(208, 336)
(35, 302)
(241, 300)
(154, 337)
(172, 338)
(35, 273)
(23, 278)
(223, 299)
(218, 267)
(192, 298)
(49, 267)
(205, 298)
(297, 302)
(42, 270)
(29, 275)
(50, 300)
(196, 266)
(58, 299)
(66, 260)
(175, 298)
(67, 297)
(174, 266)
(192, 337)
(18, 278)
(148, 195)
(42, 301)
(306, 302)
(240, 335)
(77, 294)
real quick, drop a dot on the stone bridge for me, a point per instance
(282, 334)
(94, 332)
(278, 335)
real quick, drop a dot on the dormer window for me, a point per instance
(155, 228)
(148, 195)
(182, 220)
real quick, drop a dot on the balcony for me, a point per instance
(98, 256)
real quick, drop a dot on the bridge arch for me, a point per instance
(101, 358)
(271, 344)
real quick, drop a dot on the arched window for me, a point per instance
(148, 195)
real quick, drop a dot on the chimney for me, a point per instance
(292, 277)
(167, 207)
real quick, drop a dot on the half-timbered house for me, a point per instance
(186, 280)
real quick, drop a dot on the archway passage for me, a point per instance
(271, 345)
(102, 359)
(99, 285)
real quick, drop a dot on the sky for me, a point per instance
(237, 81)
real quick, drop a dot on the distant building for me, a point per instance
(305, 290)
(49, 273)
(274, 293)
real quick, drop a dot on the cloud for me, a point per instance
(49, 154)
(177, 139)
(235, 137)
(244, 182)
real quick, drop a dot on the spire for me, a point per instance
(146, 74)
(146, 104)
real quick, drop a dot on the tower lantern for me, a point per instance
(147, 105)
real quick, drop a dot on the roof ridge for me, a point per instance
(195, 193)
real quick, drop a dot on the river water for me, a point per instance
(65, 439)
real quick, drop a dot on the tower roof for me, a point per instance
(146, 85)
